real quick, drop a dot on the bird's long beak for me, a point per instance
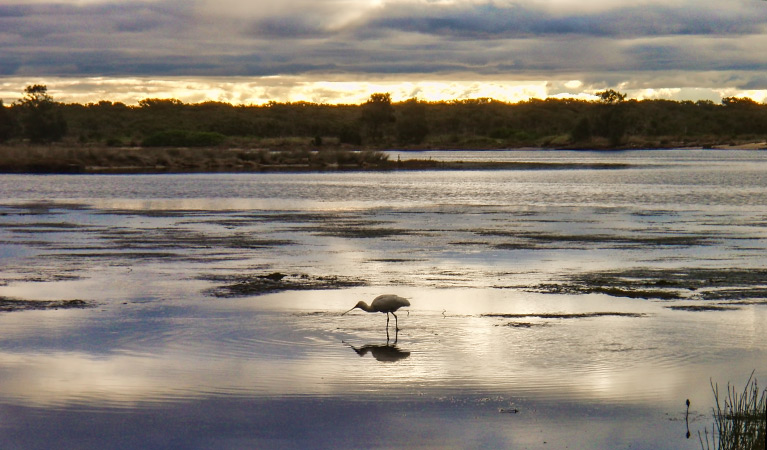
(348, 311)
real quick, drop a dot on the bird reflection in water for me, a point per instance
(381, 352)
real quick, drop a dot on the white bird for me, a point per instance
(387, 303)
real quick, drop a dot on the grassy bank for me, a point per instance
(105, 160)
(56, 159)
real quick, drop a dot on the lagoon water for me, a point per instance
(168, 356)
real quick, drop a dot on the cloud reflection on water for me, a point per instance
(156, 344)
(234, 349)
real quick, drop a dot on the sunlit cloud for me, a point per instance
(261, 90)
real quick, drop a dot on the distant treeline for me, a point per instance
(611, 121)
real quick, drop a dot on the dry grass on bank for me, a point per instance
(55, 159)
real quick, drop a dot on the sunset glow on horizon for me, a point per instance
(240, 91)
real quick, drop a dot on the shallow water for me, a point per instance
(162, 362)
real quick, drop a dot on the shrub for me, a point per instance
(183, 138)
(350, 135)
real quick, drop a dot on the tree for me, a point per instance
(6, 123)
(412, 127)
(160, 103)
(41, 118)
(350, 134)
(742, 102)
(377, 112)
(582, 130)
(610, 96)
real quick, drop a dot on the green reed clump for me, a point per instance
(739, 421)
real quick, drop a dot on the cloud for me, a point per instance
(232, 37)
(526, 20)
(288, 27)
(343, 88)
(607, 40)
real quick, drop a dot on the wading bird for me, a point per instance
(387, 303)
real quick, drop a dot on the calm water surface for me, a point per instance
(160, 362)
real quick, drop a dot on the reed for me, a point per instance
(739, 419)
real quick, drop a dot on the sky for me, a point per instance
(341, 51)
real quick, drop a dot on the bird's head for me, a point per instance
(360, 305)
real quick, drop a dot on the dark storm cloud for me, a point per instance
(756, 83)
(287, 27)
(36, 20)
(489, 21)
(233, 37)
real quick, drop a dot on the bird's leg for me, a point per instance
(396, 325)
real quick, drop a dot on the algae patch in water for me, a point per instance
(565, 315)
(25, 274)
(187, 239)
(525, 324)
(12, 304)
(702, 308)
(554, 316)
(607, 290)
(666, 284)
(259, 284)
(533, 240)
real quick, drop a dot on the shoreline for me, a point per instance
(139, 160)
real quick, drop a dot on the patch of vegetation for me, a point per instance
(735, 294)
(516, 246)
(529, 240)
(702, 308)
(37, 274)
(745, 302)
(395, 260)
(740, 419)
(184, 138)
(525, 324)
(666, 284)
(361, 232)
(298, 217)
(12, 304)
(45, 227)
(606, 123)
(613, 291)
(646, 294)
(60, 159)
(142, 256)
(41, 119)
(253, 285)
(42, 208)
(172, 238)
(565, 315)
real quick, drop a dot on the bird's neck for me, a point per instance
(365, 307)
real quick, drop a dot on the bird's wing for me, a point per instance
(389, 302)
